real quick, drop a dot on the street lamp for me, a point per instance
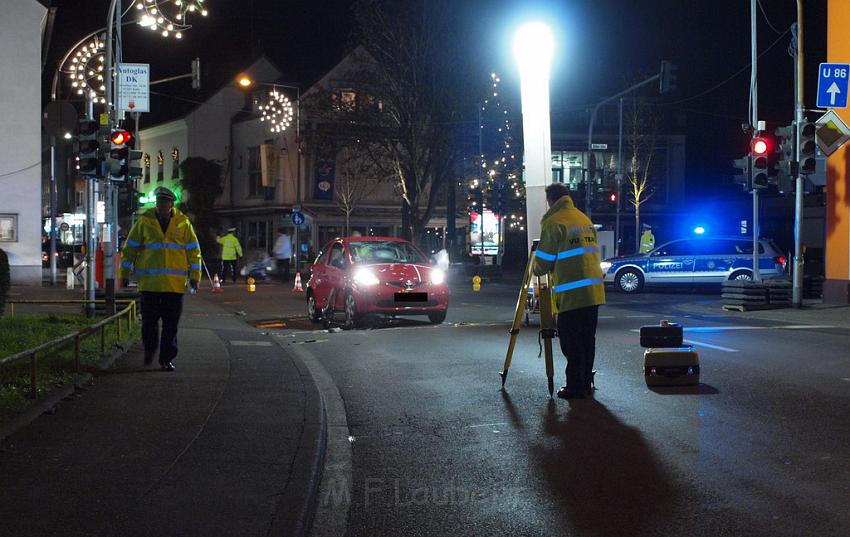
(279, 114)
(533, 47)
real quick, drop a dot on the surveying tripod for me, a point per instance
(547, 321)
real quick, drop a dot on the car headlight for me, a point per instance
(605, 265)
(437, 276)
(365, 276)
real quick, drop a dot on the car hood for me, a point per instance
(401, 272)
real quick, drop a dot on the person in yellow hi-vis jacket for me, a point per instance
(163, 252)
(231, 250)
(569, 253)
(647, 240)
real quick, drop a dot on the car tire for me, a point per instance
(629, 281)
(745, 275)
(352, 319)
(437, 317)
(313, 311)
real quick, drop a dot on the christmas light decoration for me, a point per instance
(278, 111)
(497, 187)
(84, 69)
(169, 17)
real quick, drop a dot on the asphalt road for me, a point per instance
(437, 448)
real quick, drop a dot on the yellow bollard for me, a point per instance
(251, 285)
(476, 283)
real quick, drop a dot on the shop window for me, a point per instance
(147, 166)
(255, 175)
(175, 163)
(160, 167)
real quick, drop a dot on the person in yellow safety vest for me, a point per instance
(568, 251)
(647, 240)
(231, 250)
(163, 251)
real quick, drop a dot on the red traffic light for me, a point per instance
(120, 137)
(613, 197)
(760, 146)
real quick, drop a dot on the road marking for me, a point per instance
(710, 329)
(710, 346)
(486, 425)
(804, 326)
(251, 343)
(641, 316)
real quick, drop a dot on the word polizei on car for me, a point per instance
(694, 261)
(375, 275)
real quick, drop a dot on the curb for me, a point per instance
(55, 396)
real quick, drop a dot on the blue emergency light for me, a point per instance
(699, 230)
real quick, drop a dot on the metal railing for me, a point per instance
(52, 346)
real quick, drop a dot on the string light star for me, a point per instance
(278, 111)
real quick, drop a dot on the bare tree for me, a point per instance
(359, 179)
(642, 128)
(412, 76)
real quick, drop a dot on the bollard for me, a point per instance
(476, 283)
(251, 285)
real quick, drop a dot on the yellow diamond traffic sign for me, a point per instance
(831, 132)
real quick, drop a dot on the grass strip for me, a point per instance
(55, 369)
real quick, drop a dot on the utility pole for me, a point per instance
(797, 285)
(619, 183)
(755, 125)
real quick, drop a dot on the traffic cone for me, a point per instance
(297, 286)
(216, 284)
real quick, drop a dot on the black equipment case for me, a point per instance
(671, 366)
(664, 335)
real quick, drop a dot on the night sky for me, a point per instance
(602, 47)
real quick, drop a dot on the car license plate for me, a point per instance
(411, 297)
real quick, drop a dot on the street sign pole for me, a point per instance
(755, 125)
(797, 275)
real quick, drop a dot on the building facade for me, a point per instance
(21, 28)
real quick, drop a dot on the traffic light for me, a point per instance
(667, 82)
(760, 173)
(807, 147)
(612, 199)
(742, 172)
(87, 155)
(119, 154)
(785, 164)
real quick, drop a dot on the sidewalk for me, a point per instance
(813, 312)
(229, 444)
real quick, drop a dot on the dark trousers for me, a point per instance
(165, 306)
(225, 265)
(283, 269)
(577, 332)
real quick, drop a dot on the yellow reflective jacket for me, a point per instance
(230, 247)
(568, 251)
(162, 261)
(647, 242)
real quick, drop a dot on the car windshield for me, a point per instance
(369, 252)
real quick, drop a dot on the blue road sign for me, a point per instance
(297, 218)
(832, 85)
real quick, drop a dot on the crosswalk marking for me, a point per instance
(709, 345)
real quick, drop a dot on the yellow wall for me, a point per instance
(838, 175)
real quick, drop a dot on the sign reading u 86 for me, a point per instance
(832, 85)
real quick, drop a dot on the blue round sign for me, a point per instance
(297, 218)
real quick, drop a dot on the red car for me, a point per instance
(375, 275)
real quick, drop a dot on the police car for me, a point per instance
(694, 261)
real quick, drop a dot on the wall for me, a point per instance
(837, 285)
(20, 137)
(163, 138)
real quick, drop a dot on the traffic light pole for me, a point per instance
(754, 123)
(797, 286)
(113, 20)
(91, 234)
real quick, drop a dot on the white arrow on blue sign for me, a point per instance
(832, 85)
